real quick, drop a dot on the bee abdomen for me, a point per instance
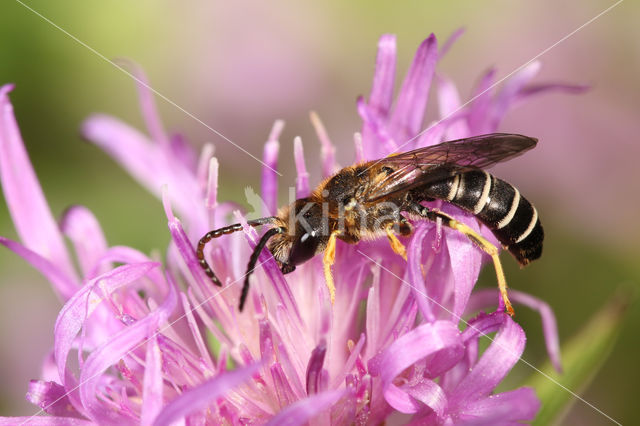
(499, 205)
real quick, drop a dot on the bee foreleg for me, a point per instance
(217, 233)
(477, 239)
(287, 268)
(327, 260)
(251, 266)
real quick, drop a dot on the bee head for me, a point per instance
(310, 231)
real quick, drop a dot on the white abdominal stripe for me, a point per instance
(497, 204)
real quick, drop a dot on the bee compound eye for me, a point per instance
(304, 248)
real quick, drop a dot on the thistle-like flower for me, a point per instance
(138, 341)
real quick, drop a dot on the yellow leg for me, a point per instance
(396, 245)
(327, 260)
(488, 248)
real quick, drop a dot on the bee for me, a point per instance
(381, 198)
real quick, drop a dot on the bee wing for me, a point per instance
(437, 162)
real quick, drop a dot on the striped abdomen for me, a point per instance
(497, 204)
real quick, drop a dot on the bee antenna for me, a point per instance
(218, 233)
(254, 259)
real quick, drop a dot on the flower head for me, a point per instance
(141, 342)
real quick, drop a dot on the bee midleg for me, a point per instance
(395, 243)
(399, 226)
(217, 233)
(404, 227)
(476, 238)
(387, 216)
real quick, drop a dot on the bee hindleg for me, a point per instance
(327, 260)
(477, 239)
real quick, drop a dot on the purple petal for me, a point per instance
(127, 255)
(29, 210)
(428, 393)
(534, 89)
(51, 398)
(350, 363)
(448, 97)
(504, 408)
(152, 390)
(372, 317)
(415, 267)
(440, 277)
(358, 148)
(410, 106)
(200, 397)
(424, 340)
(384, 76)
(49, 368)
(449, 102)
(433, 134)
(76, 311)
(204, 160)
(200, 282)
(549, 326)
(302, 178)
(127, 145)
(148, 163)
(196, 332)
(269, 174)
(283, 389)
(480, 107)
(509, 92)
(486, 298)
(303, 411)
(327, 149)
(182, 152)
(148, 105)
(267, 353)
(466, 261)
(291, 372)
(63, 284)
(84, 231)
(375, 128)
(314, 368)
(450, 41)
(375, 111)
(496, 361)
(44, 421)
(112, 351)
(402, 316)
(211, 199)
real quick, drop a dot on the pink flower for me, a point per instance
(138, 341)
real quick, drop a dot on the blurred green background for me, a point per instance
(240, 65)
